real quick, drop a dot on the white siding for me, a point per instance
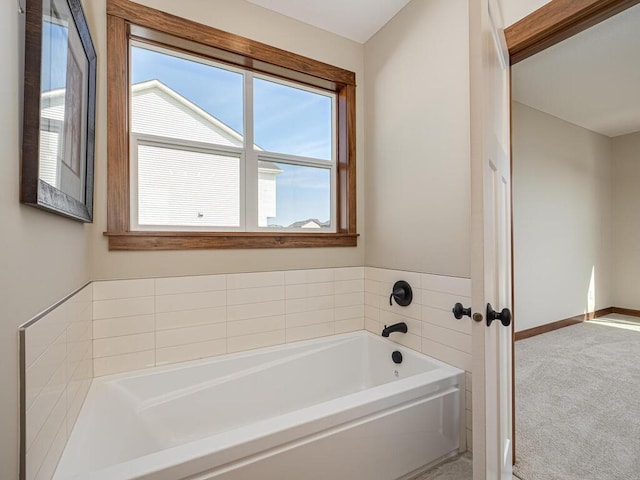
(155, 112)
(49, 157)
(266, 197)
(180, 187)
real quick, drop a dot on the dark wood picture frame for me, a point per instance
(78, 132)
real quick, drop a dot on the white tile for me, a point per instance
(469, 419)
(192, 351)
(124, 307)
(467, 382)
(349, 299)
(43, 368)
(297, 291)
(76, 352)
(309, 304)
(320, 275)
(371, 286)
(350, 325)
(79, 332)
(46, 437)
(413, 310)
(447, 354)
(190, 318)
(345, 313)
(253, 280)
(443, 301)
(372, 326)
(349, 273)
(446, 336)
(377, 274)
(52, 457)
(123, 363)
(113, 289)
(190, 301)
(255, 325)
(470, 440)
(452, 285)
(445, 319)
(115, 327)
(192, 284)
(389, 318)
(75, 404)
(409, 340)
(255, 310)
(468, 401)
(348, 286)
(258, 340)
(106, 347)
(255, 295)
(80, 311)
(309, 331)
(309, 290)
(182, 336)
(372, 313)
(371, 299)
(309, 318)
(40, 335)
(43, 403)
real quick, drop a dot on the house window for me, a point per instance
(216, 141)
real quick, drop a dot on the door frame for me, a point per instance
(550, 24)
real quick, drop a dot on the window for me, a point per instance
(216, 141)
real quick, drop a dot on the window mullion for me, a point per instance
(251, 159)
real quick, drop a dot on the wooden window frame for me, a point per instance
(128, 21)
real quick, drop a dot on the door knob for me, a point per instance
(459, 311)
(504, 316)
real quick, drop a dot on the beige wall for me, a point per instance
(43, 256)
(249, 20)
(626, 227)
(417, 144)
(562, 218)
(514, 10)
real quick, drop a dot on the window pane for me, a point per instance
(291, 120)
(183, 98)
(293, 196)
(185, 188)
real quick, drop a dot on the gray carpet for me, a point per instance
(578, 402)
(458, 468)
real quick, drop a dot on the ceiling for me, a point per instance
(591, 79)
(357, 20)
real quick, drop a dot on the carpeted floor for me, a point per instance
(458, 468)
(578, 402)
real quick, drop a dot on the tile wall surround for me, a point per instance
(122, 325)
(148, 322)
(433, 329)
(57, 368)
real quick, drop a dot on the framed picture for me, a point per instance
(59, 109)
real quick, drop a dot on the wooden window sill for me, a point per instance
(226, 240)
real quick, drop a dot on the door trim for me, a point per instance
(550, 24)
(556, 21)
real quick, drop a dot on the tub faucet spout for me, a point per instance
(396, 327)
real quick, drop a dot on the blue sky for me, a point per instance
(286, 120)
(54, 56)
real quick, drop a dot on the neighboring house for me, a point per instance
(212, 179)
(311, 223)
(52, 169)
(213, 194)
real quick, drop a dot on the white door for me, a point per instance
(491, 243)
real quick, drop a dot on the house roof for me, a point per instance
(141, 87)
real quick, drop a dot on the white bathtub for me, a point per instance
(333, 408)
